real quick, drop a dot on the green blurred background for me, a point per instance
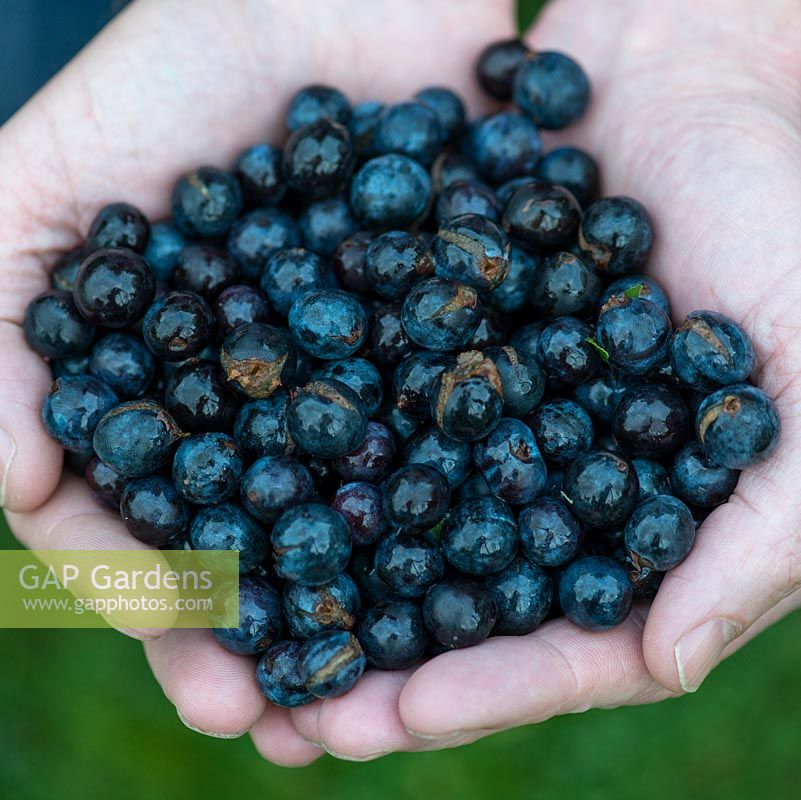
(80, 716)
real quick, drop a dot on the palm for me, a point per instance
(138, 108)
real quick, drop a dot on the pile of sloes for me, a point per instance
(410, 368)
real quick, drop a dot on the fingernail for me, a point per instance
(8, 449)
(452, 739)
(698, 652)
(359, 759)
(213, 734)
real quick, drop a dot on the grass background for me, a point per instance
(81, 716)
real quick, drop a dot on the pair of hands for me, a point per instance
(696, 112)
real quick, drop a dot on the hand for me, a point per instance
(163, 89)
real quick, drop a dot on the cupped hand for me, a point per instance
(696, 113)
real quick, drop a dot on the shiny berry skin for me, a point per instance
(651, 420)
(54, 328)
(136, 438)
(526, 340)
(522, 381)
(206, 202)
(72, 409)
(278, 677)
(326, 223)
(572, 168)
(258, 359)
(616, 234)
(163, 247)
(309, 610)
(601, 394)
(113, 288)
(318, 159)
(207, 468)
(565, 353)
(66, 269)
(497, 66)
(430, 446)
(331, 663)
(416, 497)
(565, 286)
(388, 340)
(228, 527)
(390, 191)
(360, 375)
(239, 305)
(74, 365)
(392, 635)
(274, 484)
(638, 285)
(401, 425)
(198, 397)
(459, 612)
(328, 324)
(204, 269)
(504, 146)
(123, 363)
(441, 314)
(260, 174)
(552, 89)
(362, 126)
(315, 102)
(153, 511)
(408, 564)
(513, 294)
(542, 216)
(447, 107)
(467, 197)
(258, 235)
(106, 483)
(414, 379)
(290, 274)
(635, 333)
(710, 350)
(653, 478)
(348, 261)
(738, 426)
(549, 534)
(177, 326)
(360, 505)
(372, 460)
(410, 129)
(449, 167)
(601, 489)
(472, 249)
(696, 479)
(467, 400)
(260, 427)
(479, 537)
(491, 331)
(119, 225)
(394, 262)
(311, 544)
(563, 430)
(260, 619)
(327, 419)
(660, 532)
(595, 593)
(511, 462)
(523, 593)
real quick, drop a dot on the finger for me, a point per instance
(276, 740)
(747, 558)
(72, 520)
(213, 691)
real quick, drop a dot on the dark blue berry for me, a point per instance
(393, 635)
(260, 620)
(459, 613)
(467, 197)
(331, 663)
(119, 225)
(153, 511)
(738, 425)
(401, 425)
(526, 341)
(389, 342)
(54, 328)
(563, 430)
(206, 202)
(394, 262)
(177, 326)
(204, 269)
(565, 286)
(274, 484)
(513, 294)
(362, 126)
(572, 168)
(360, 375)
(316, 102)
(511, 462)
(106, 483)
(595, 593)
(616, 234)
(309, 610)
(258, 235)
(372, 460)
(522, 381)
(448, 108)
(414, 379)
(549, 533)
(163, 247)
(601, 394)
(278, 677)
(451, 167)
(552, 89)
(411, 129)
(123, 363)
(504, 146)
(239, 305)
(328, 324)
(497, 66)
(429, 445)
(228, 527)
(361, 506)
(260, 174)
(408, 564)
(637, 286)
(697, 479)
(653, 478)
(660, 532)
(326, 223)
(290, 274)
(260, 427)
(72, 409)
(207, 468)
(348, 261)
(318, 159)
(416, 497)
(565, 352)
(523, 593)
(542, 216)
(66, 269)
(651, 420)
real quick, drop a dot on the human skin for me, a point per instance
(695, 112)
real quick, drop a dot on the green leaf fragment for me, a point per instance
(604, 354)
